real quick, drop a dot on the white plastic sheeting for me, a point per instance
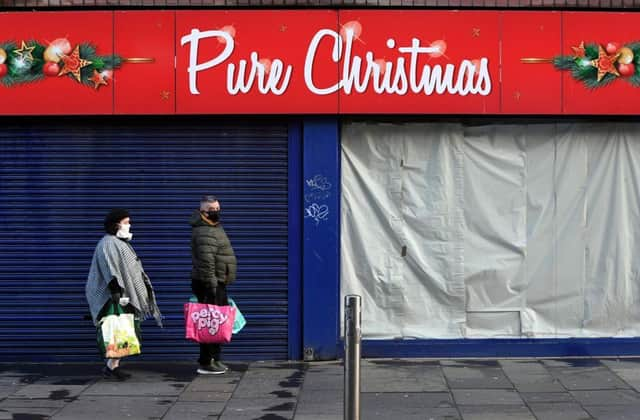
(450, 231)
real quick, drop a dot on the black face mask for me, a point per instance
(213, 215)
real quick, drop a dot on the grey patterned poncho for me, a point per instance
(114, 257)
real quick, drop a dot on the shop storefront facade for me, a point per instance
(467, 172)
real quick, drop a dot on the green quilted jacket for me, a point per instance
(213, 257)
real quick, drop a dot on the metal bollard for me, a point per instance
(352, 338)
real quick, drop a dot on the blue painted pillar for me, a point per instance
(321, 238)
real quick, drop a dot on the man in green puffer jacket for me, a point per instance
(214, 267)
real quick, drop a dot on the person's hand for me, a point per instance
(210, 288)
(115, 298)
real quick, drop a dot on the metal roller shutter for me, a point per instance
(58, 180)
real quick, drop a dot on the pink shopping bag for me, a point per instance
(206, 323)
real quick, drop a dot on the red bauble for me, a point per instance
(3, 69)
(626, 69)
(612, 47)
(50, 68)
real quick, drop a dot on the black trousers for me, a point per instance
(210, 351)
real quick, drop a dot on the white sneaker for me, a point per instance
(210, 370)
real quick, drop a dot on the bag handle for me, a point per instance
(117, 308)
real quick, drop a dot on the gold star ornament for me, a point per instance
(98, 80)
(579, 50)
(73, 63)
(605, 63)
(25, 51)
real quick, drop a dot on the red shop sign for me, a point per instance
(319, 62)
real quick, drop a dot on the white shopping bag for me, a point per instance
(119, 336)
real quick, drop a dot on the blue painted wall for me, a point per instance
(321, 238)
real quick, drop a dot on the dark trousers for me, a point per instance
(209, 351)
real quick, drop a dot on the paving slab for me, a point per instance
(542, 385)
(530, 376)
(583, 378)
(627, 370)
(252, 413)
(547, 397)
(417, 399)
(427, 384)
(7, 390)
(401, 405)
(14, 402)
(327, 402)
(205, 396)
(264, 388)
(478, 397)
(65, 380)
(441, 414)
(115, 408)
(262, 404)
(324, 377)
(304, 416)
(53, 392)
(559, 411)
(398, 377)
(16, 380)
(326, 396)
(613, 412)
(132, 388)
(576, 363)
(474, 363)
(318, 408)
(217, 383)
(194, 411)
(522, 367)
(476, 377)
(496, 412)
(607, 397)
(319, 382)
(22, 413)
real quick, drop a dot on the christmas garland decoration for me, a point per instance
(32, 61)
(597, 66)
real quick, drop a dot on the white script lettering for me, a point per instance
(395, 78)
(399, 76)
(243, 82)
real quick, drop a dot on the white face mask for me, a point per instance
(124, 233)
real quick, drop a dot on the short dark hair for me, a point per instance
(113, 218)
(207, 199)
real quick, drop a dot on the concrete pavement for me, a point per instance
(396, 389)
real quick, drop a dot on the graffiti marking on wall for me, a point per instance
(317, 212)
(319, 182)
(317, 189)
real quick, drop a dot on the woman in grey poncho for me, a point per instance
(116, 276)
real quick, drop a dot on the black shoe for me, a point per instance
(210, 370)
(116, 374)
(221, 365)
